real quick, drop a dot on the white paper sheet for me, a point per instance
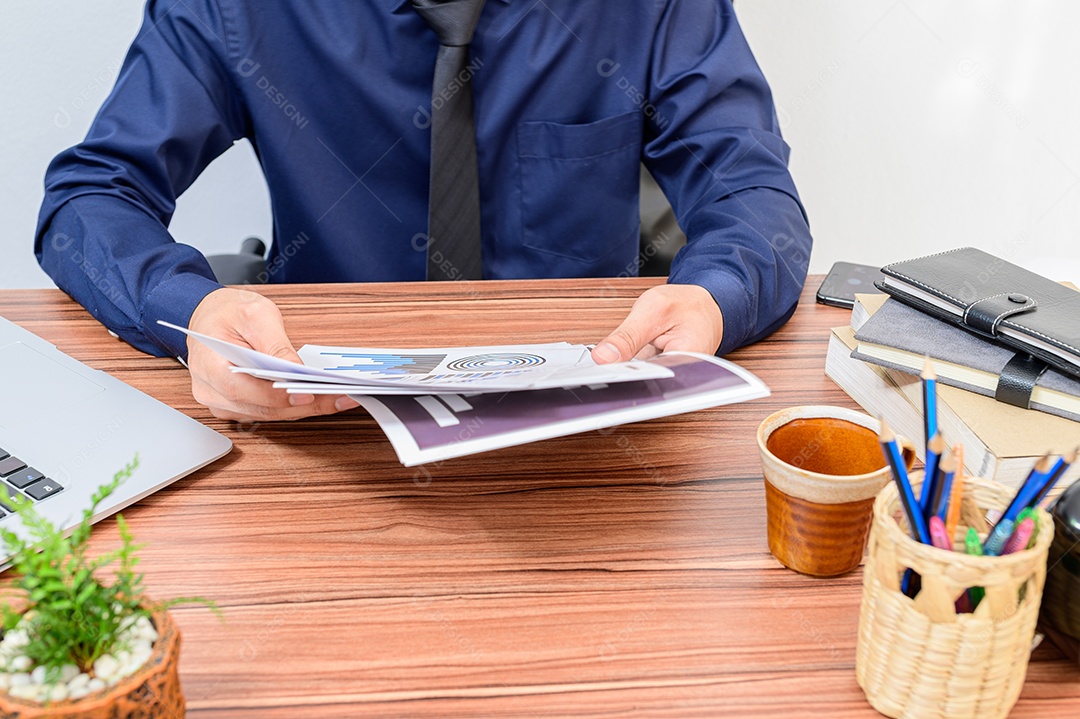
(500, 368)
(431, 429)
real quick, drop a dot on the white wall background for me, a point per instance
(922, 125)
(916, 125)
(58, 60)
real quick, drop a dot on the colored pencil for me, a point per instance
(929, 396)
(1030, 487)
(943, 491)
(912, 512)
(1023, 498)
(995, 543)
(1019, 539)
(1056, 473)
(973, 546)
(934, 448)
(938, 536)
(956, 497)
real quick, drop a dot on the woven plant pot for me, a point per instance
(150, 693)
(919, 658)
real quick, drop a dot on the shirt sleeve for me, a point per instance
(102, 230)
(713, 144)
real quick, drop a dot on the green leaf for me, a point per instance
(77, 615)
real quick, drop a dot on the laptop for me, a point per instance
(66, 429)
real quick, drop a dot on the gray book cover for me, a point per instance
(904, 328)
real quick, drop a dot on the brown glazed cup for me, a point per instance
(823, 467)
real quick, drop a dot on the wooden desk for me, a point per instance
(615, 574)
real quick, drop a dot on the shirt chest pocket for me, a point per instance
(579, 186)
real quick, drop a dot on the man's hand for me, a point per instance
(665, 317)
(248, 319)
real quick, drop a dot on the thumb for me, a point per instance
(283, 349)
(627, 340)
(265, 331)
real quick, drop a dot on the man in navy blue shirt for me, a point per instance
(335, 97)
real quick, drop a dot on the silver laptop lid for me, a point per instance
(78, 426)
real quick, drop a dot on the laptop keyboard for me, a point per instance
(19, 479)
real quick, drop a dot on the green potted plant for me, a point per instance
(79, 643)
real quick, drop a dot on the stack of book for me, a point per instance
(878, 363)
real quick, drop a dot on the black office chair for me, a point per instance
(246, 268)
(660, 239)
(660, 236)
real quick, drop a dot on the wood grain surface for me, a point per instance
(612, 574)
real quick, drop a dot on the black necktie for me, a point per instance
(453, 250)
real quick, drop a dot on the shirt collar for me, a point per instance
(397, 5)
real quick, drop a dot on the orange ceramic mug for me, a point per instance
(823, 467)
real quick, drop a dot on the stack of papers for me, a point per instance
(378, 371)
(435, 404)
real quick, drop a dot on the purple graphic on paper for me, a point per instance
(496, 414)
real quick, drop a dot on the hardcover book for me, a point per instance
(1001, 442)
(901, 337)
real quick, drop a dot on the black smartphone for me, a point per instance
(844, 280)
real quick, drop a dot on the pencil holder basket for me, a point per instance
(919, 657)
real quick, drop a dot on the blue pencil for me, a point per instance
(929, 399)
(1056, 473)
(912, 511)
(934, 448)
(1024, 497)
(931, 475)
(943, 490)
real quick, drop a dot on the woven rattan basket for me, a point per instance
(919, 658)
(153, 692)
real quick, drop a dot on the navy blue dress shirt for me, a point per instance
(335, 97)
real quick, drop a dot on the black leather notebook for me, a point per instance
(993, 298)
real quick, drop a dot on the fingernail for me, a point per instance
(607, 352)
(344, 403)
(298, 400)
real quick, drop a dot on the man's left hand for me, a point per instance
(665, 318)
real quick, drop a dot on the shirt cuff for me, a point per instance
(731, 297)
(174, 301)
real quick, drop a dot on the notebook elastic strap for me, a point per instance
(986, 314)
(1018, 380)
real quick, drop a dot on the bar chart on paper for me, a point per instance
(385, 364)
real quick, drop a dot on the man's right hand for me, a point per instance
(248, 319)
